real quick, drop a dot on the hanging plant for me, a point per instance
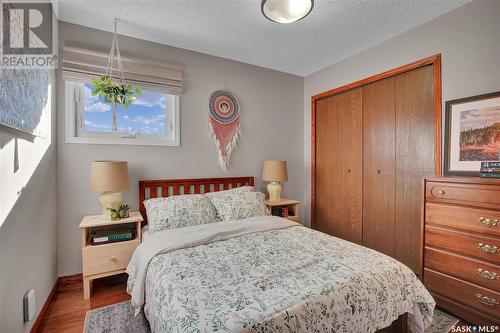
(123, 94)
(115, 93)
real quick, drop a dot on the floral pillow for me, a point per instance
(179, 211)
(239, 206)
(241, 189)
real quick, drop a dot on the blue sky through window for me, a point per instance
(145, 116)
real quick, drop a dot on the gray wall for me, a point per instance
(271, 119)
(28, 254)
(468, 39)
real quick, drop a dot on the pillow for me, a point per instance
(239, 206)
(241, 189)
(179, 211)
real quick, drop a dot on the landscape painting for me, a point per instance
(480, 134)
(472, 133)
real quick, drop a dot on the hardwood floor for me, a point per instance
(67, 311)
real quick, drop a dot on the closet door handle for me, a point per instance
(379, 171)
(349, 170)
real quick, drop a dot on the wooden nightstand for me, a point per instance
(292, 205)
(106, 259)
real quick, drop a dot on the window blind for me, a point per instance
(80, 65)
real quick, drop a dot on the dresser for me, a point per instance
(462, 246)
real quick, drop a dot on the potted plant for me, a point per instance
(124, 211)
(115, 214)
(113, 93)
(121, 212)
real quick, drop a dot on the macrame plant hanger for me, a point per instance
(109, 67)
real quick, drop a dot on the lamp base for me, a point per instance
(274, 189)
(110, 200)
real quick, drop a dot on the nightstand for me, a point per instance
(106, 259)
(292, 205)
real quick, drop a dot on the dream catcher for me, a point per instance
(224, 124)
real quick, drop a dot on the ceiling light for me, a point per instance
(286, 11)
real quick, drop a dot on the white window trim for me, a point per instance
(71, 123)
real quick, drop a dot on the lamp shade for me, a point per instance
(274, 171)
(109, 176)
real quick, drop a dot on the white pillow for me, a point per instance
(241, 189)
(179, 211)
(239, 206)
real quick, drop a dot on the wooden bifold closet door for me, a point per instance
(414, 159)
(339, 165)
(373, 146)
(379, 172)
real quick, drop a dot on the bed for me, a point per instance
(266, 274)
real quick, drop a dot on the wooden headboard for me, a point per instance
(163, 188)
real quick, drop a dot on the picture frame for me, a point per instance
(472, 134)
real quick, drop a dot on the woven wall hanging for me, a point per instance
(224, 124)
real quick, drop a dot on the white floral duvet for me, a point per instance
(267, 274)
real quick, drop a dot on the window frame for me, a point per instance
(74, 100)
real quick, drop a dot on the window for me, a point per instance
(152, 119)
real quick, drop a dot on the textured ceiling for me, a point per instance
(236, 29)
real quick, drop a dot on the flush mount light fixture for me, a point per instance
(286, 11)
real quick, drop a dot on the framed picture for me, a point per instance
(472, 134)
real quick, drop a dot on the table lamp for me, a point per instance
(109, 178)
(274, 172)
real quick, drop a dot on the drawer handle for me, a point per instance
(487, 274)
(113, 259)
(486, 300)
(489, 222)
(441, 192)
(491, 249)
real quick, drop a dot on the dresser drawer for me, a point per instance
(482, 247)
(466, 194)
(464, 218)
(108, 257)
(482, 299)
(476, 271)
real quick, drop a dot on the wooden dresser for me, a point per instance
(462, 246)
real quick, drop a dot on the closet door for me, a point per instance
(349, 167)
(414, 158)
(379, 152)
(326, 164)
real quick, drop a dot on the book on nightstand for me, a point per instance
(111, 236)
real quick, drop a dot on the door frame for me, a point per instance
(435, 61)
